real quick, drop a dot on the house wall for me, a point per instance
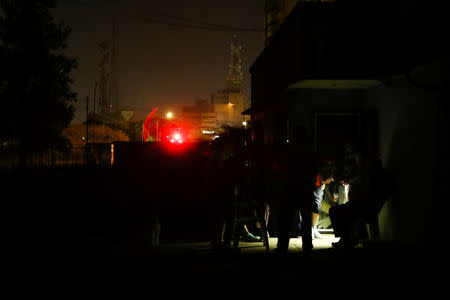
(307, 101)
(407, 135)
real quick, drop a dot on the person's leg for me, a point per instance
(249, 236)
(318, 196)
(343, 219)
(306, 216)
(266, 213)
(285, 221)
(315, 232)
(227, 232)
(156, 230)
(337, 217)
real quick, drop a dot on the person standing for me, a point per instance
(324, 178)
(297, 166)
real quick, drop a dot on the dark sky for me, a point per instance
(159, 64)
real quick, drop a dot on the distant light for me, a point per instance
(82, 138)
(177, 136)
(208, 131)
(216, 137)
(230, 104)
(287, 141)
(180, 141)
(112, 154)
(244, 123)
(169, 115)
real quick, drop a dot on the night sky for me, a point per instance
(160, 64)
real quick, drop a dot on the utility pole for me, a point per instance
(87, 121)
(113, 105)
(93, 125)
(104, 78)
(87, 128)
(157, 130)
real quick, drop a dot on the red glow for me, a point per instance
(145, 128)
(176, 137)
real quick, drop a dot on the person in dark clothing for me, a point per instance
(220, 188)
(246, 199)
(229, 184)
(297, 169)
(376, 185)
(351, 174)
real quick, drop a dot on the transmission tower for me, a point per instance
(113, 92)
(235, 75)
(104, 76)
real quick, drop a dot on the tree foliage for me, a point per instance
(103, 134)
(35, 91)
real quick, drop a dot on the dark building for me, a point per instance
(373, 73)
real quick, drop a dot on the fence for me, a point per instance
(97, 154)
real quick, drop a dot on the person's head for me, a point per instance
(348, 148)
(327, 172)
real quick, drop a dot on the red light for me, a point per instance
(176, 137)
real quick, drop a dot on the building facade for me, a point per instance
(373, 74)
(276, 12)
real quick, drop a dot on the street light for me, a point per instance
(169, 115)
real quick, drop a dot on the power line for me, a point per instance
(215, 26)
(191, 24)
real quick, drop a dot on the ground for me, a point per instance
(84, 232)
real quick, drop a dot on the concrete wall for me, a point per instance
(407, 135)
(304, 102)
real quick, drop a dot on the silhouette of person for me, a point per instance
(297, 167)
(376, 185)
(323, 178)
(220, 193)
(245, 198)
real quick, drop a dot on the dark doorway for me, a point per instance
(333, 131)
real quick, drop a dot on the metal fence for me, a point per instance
(98, 154)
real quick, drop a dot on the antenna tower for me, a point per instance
(103, 82)
(113, 92)
(235, 75)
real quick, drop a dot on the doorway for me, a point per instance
(332, 131)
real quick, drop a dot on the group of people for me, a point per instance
(370, 185)
(291, 180)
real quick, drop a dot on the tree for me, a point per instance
(35, 78)
(103, 134)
